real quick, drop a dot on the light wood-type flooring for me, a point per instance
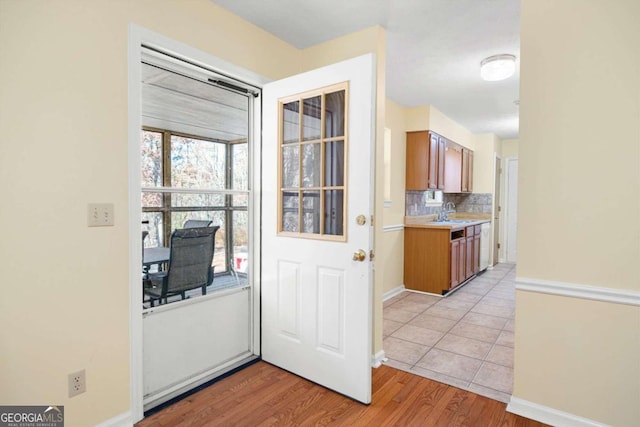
(264, 395)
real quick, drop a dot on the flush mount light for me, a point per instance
(497, 67)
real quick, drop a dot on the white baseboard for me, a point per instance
(577, 290)
(393, 292)
(122, 420)
(378, 358)
(547, 415)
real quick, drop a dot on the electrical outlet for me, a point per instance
(77, 383)
(100, 214)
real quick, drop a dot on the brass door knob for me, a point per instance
(359, 255)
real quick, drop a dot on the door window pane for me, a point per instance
(334, 114)
(311, 165)
(312, 170)
(291, 122)
(290, 166)
(334, 164)
(311, 212)
(312, 109)
(240, 241)
(333, 212)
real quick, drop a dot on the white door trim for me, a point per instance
(139, 36)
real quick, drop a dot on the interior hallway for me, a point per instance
(465, 340)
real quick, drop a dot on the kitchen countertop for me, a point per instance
(456, 222)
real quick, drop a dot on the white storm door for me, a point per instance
(317, 178)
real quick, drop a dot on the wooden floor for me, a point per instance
(263, 395)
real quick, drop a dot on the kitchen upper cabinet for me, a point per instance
(458, 169)
(467, 171)
(425, 161)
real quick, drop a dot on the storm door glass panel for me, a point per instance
(311, 120)
(240, 241)
(198, 163)
(240, 166)
(152, 222)
(312, 163)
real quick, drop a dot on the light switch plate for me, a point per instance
(100, 214)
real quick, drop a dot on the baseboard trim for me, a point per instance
(577, 290)
(122, 420)
(378, 358)
(395, 227)
(547, 415)
(393, 292)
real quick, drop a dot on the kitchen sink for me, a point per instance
(456, 221)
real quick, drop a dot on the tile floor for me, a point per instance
(464, 339)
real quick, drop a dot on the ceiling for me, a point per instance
(434, 48)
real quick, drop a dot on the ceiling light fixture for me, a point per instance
(497, 67)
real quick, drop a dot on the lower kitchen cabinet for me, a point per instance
(438, 259)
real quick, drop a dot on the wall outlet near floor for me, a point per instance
(100, 214)
(77, 383)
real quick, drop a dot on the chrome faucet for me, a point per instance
(446, 209)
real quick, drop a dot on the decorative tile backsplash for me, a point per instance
(416, 203)
(474, 202)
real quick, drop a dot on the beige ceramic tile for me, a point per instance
(492, 310)
(476, 332)
(498, 302)
(462, 295)
(464, 346)
(408, 305)
(433, 322)
(418, 335)
(442, 378)
(451, 364)
(447, 313)
(506, 338)
(485, 320)
(494, 376)
(394, 299)
(501, 355)
(390, 326)
(422, 298)
(456, 304)
(398, 315)
(397, 364)
(403, 351)
(510, 325)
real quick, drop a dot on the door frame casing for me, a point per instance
(508, 215)
(137, 37)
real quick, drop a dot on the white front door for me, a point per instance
(318, 139)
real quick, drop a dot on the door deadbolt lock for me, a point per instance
(359, 255)
(361, 220)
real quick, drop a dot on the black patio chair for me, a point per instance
(189, 265)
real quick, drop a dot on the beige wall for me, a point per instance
(509, 148)
(390, 256)
(64, 121)
(579, 206)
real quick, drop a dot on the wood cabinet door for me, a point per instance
(452, 168)
(441, 151)
(433, 161)
(455, 263)
(470, 172)
(465, 171)
(468, 259)
(462, 255)
(417, 168)
(476, 253)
